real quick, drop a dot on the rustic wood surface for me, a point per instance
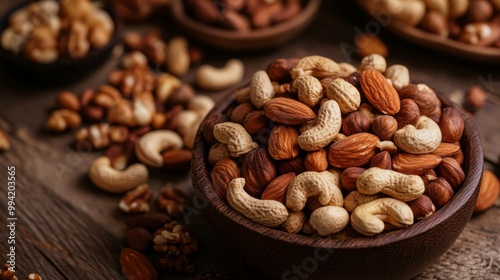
(68, 229)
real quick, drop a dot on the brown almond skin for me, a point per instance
(276, 190)
(350, 176)
(451, 170)
(259, 170)
(224, 171)
(439, 191)
(68, 100)
(355, 122)
(451, 125)
(435, 22)
(408, 114)
(296, 165)
(382, 160)
(255, 121)
(446, 149)
(208, 126)
(414, 164)
(138, 239)
(279, 70)
(355, 150)
(384, 127)
(136, 266)
(422, 207)
(488, 192)
(317, 160)
(379, 92)
(282, 142)
(459, 156)
(236, 21)
(288, 111)
(177, 160)
(241, 111)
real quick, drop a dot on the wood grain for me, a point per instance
(68, 229)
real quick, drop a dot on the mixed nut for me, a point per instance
(45, 31)
(471, 22)
(243, 15)
(312, 145)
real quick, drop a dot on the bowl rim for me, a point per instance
(178, 13)
(64, 61)
(201, 181)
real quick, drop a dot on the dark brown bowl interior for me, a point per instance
(65, 67)
(253, 40)
(400, 254)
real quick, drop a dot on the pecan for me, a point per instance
(172, 201)
(137, 200)
(7, 274)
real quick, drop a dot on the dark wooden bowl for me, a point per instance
(253, 40)
(63, 68)
(399, 254)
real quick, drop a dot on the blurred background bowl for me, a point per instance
(399, 254)
(253, 40)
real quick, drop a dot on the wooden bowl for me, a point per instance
(399, 254)
(446, 45)
(65, 67)
(254, 40)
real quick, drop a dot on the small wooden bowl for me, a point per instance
(254, 40)
(63, 68)
(399, 254)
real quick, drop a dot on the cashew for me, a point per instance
(308, 184)
(261, 89)
(355, 198)
(346, 95)
(387, 146)
(294, 222)
(310, 90)
(317, 66)
(63, 119)
(368, 219)
(143, 107)
(329, 219)
(238, 141)
(109, 179)
(189, 121)
(211, 78)
(148, 149)
(399, 76)
(178, 56)
(269, 213)
(166, 84)
(201, 104)
(401, 186)
(327, 126)
(217, 152)
(422, 138)
(346, 69)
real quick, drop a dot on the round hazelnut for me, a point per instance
(479, 10)
(435, 22)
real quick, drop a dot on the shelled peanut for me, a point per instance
(316, 143)
(45, 31)
(471, 22)
(243, 15)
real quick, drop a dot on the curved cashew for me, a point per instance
(329, 219)
(201, 104)
(103, 175)
(211, 78)
(261, 88)
(148, 149)
(317, 66)
(63, 119)
(355, 199)
(401, 186)
(422, 138)
(238, 141)
(368, 219)
(143, 107)
(310, 90)
(269, 213)
(189, 121)
(217, 152)
(309, 184)
(294, 222)
(346, 95)
(327, 126)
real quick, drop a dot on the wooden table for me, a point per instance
(68, 229)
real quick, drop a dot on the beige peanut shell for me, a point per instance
(327, 126)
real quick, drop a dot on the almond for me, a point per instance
(355, 150)
(450, 169)
(259, 170)
(241, 111)
(488, 193)
(414, 164)
(288, 111)
(451, 125)
(295, 165)
(276, 190)
(367, 45)
(255, 121)
(379, 92)
(282, 142)
(316, 161)
(350, 176)
(177, 160)
(446, 149)
(136, 266)
(224, 171)
(149, 221)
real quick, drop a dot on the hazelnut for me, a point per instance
(422, 207)
(355, 122)
(382, 160)
(350, 176)
(408, 114)
(439, 191)
(451, 125)
(479, 10)
(435, 22)
(475, 98)
(450, 170)
(384, 127)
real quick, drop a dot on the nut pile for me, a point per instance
(471, 22)
(138, 10)
(243, 15)
(44, 31)
(6, 273)
(318, 146)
